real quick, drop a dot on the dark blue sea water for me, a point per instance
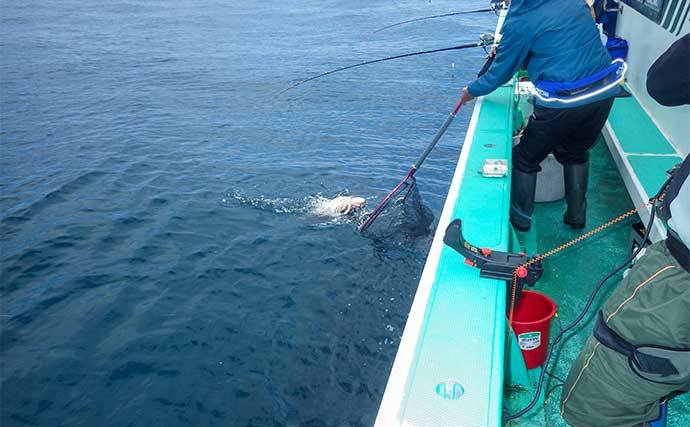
(160, 264)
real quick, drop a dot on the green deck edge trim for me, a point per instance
(644, 137)
(463, 336)
(651, 170)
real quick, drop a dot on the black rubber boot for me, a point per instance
(522, 199)
(575, 177)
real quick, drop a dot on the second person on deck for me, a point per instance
(576, 81)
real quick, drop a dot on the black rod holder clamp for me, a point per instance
(493, 264)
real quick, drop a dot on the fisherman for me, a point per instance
(575, 82)
(640, 350)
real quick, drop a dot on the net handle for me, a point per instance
(438, 135)
(410, 174)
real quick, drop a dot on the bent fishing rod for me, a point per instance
(443, 15)
(484, 40)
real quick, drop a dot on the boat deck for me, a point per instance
(570, 275)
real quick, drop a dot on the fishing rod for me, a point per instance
(443, 15)
(484, 40)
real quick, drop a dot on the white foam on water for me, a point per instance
(399, 221)
(317, 206)
(281, 205)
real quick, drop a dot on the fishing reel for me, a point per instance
(496, 6)
(487, 39)
(494, 264)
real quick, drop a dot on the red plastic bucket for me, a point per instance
(531, 324)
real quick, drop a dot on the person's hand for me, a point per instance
(466, 97)
(492, 52)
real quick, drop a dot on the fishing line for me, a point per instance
(482, 42)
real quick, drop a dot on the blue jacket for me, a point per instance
(560, 38)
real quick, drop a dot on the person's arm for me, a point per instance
(668, 79)
(590, 3)
(512, 51)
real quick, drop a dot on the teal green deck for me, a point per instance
(644, 137)
(651, 170)
(569, 277)
(641, 145)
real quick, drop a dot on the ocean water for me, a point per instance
(160, 263)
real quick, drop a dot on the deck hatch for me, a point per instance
(450, 390)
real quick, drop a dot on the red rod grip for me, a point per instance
(457, 108)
